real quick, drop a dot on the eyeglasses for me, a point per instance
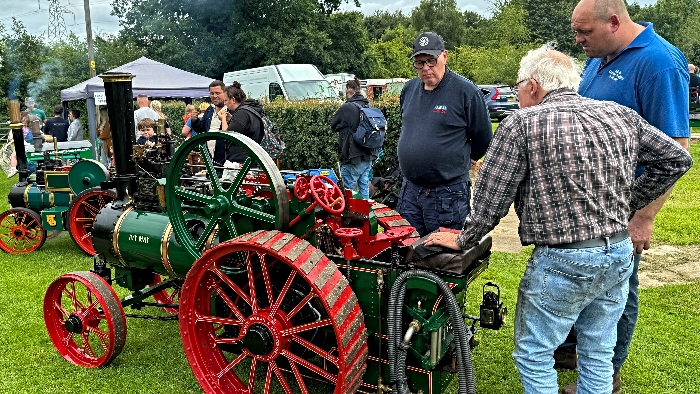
(431, 62)
(516, 87)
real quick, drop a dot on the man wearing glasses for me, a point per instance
(567, 163)
(444, 126)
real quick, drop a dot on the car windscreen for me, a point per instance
(300, 90)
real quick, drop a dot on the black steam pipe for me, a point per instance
(18, 140)
(120, 108)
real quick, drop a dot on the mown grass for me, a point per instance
(664, 357)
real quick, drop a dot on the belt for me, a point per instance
(594, 242)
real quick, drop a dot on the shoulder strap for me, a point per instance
(360, 106)
(250, 109)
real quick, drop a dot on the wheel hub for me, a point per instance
(74, 324)
(259, 340)
(18, 232)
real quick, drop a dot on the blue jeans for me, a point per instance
(628, 320)
(428, 207)
(560, 288)
(357, 175)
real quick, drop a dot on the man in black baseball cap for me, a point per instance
(443, 115)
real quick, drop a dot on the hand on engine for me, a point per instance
(448, 240)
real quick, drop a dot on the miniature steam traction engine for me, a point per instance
(277, 285)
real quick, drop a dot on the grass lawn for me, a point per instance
(665, 354)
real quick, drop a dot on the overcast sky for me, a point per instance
(35, 13)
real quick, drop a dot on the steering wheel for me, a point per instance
(327, 194)
(301, 188)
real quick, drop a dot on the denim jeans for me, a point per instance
(625, 326)
(628, 320)
(357, 175)
(429, 207)
(560, 288)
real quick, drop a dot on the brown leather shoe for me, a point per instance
(565, 361)
(617, 386)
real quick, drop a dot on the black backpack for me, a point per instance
(271, 142)
(371, 131)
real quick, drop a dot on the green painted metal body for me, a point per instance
(38, 198)
(144, 240)
(67, 151)
(422, 303)
(53, 219)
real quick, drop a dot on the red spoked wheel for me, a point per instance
(168, 296)
(301, 188)
(269, 312)
(21, 231)
(84, 319)
(327, 194)
(81, 216)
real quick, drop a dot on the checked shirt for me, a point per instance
(568, 165)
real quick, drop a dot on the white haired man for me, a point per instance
(568, 164)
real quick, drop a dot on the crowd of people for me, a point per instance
(588, 161)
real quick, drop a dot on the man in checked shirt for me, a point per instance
(568, 163)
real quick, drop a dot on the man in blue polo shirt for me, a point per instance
(444, 125)
(632, 65)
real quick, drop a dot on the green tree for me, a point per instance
(550, 20)
(382, 20)
(388, 58)
(669, 17)
(348, 49)
(441, 17)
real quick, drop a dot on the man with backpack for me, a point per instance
(356, 160)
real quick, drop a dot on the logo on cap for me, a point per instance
(423, 41)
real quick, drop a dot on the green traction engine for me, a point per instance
(58, 197)
(280, 283)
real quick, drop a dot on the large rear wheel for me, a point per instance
(267, 311)
(82, 213)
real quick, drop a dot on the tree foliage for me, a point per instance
(441, 17)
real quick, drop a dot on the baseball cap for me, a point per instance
(429, 43)
(28, 100)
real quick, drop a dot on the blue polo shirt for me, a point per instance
(650, 76)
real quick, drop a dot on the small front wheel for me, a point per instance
(85, 319)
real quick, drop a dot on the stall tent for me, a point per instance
(153, 78)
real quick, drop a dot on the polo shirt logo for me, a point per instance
(616, 75)
(440, 109)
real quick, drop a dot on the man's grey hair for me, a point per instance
(550, 68)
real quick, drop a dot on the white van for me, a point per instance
(338, 81)
(291, 81)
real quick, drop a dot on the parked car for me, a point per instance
(501, 100)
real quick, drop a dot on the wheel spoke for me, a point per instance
(193, 196)
(232, 364)
(73, 296)
(87, 349)
(300, 305)
(283, 293)
(211, 170)
(251, 283)
(224, 278)
(253, 214)
(266, 277)
(251, 374)
(101, 335)
(60, 308)
(322, 353)
(280, 377)
(206, 233)
(306, 327)
(299, 378)
(268, 378)
(219, 320)
(229, 226)
(238, 180)
(313, 367)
